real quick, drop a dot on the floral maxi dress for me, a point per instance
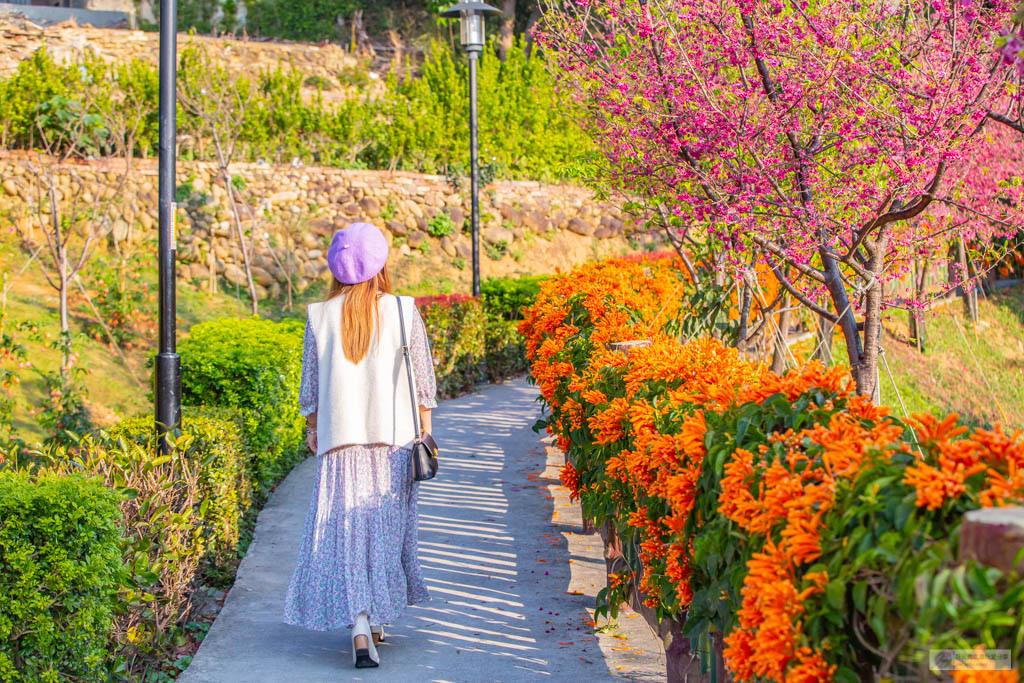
(359, 549)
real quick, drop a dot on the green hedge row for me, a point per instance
(469, 344)
(214, 439)
(506, 297)
(60, 573)
(251, 367)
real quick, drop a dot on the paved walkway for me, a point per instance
(512, 578)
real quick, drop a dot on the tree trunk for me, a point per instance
(968, 291)
(396, 55)
(917, 325)
(507, 31)
(861, 348)
(65, 328)
(781, 339)
(863, 366)
(241, 241)
(360, 38)
(63, 294)
(745, 298)
(865, 372)
(211, 259)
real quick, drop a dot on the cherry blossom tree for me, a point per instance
(811, 133)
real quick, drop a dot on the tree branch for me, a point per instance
(777, 250)
(802, 298)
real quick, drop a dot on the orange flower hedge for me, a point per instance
(807, 527)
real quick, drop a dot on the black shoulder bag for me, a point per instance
(424, 448)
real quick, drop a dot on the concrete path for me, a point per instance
(511, 576)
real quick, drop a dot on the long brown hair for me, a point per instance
(359, 314)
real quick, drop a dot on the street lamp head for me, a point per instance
(471, 21)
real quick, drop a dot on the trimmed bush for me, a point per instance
(213, 439)
(60, 571)
(505, 354)
(253, 367)
(506, 297)
(469, 344)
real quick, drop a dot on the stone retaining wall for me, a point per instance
(526, 227)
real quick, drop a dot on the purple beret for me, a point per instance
(357, 253)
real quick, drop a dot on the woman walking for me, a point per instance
(358, 560)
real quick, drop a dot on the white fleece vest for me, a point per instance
(366, 402)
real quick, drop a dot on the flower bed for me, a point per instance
(804, 530)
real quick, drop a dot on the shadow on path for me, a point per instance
(496, 563)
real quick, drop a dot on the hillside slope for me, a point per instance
(117, 384)
(975, 371)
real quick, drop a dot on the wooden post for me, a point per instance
(994, 537)
(681, 662)
(588, 524)
(626, 346)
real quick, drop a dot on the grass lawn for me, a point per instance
(116, 385)
(976, 371)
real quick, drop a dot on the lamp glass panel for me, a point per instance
(472, 26)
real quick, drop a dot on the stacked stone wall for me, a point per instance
(291, 211)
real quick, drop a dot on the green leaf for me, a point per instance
(835, 591)
(859, 594)
(845, 674)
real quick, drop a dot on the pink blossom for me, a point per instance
(835, 134)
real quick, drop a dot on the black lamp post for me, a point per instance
(471, 23)
(168, 363)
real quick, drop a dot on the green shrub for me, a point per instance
(505, 354)
(312, 20)
(318, 82)
(456, 326)
(200, 16)
(213, 439)
(37, 79)
(506, 297)
(441, 226)
(526, 125)
(60, 570)
(356, 76)
(253, 367)
(497, 250)
(469, 346)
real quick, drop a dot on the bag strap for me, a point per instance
(408, 371)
